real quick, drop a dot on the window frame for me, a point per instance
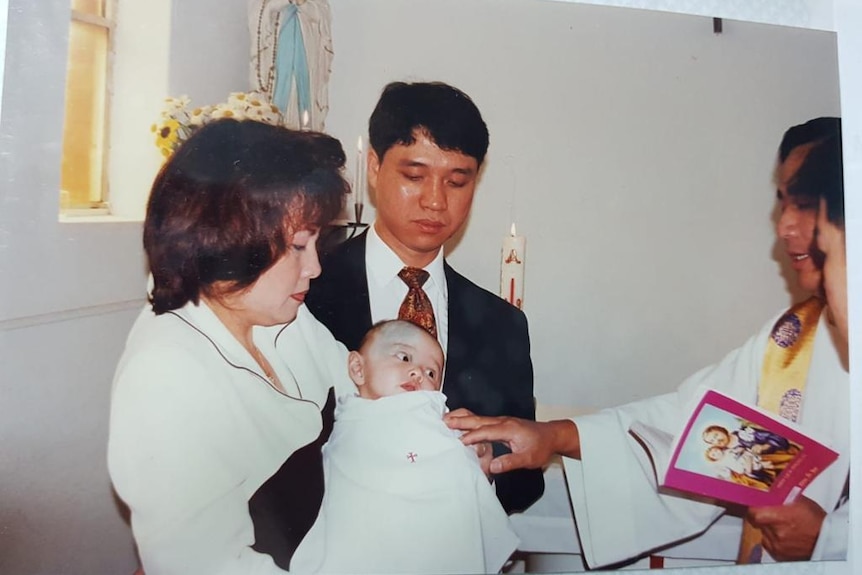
(108, 22)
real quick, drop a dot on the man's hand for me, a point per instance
(532, 443)
(789, 531)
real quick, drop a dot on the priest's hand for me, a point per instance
(485, 454)
(789, 531)
(532, 444)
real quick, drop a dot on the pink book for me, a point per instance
(735, 453)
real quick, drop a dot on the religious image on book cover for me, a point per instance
(734, 452)
(737, 450)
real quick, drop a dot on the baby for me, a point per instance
(403, 495)
(741, 466)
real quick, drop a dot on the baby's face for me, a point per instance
(714, 453)
(401, 361)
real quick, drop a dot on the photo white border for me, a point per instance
(845, 18)
(4, 22)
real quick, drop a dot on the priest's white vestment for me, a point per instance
(619, 513)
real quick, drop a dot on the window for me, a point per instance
(83, 176)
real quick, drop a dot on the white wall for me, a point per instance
(70, 291)
(65, 312)
(57, 510)
(209, 49)
(633, 149)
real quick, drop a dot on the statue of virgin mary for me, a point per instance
(291, 57)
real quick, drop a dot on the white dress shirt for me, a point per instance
(386, 290)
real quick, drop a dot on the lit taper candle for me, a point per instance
(512, 268)
(358, 182)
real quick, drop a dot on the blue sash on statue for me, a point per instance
(291, 63)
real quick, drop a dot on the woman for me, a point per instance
(223, 395)
(822, 177)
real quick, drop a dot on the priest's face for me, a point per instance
(423, 196)
(797, 223)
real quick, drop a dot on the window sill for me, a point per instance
(96, 218)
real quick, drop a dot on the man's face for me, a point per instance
(797, 222)
(423, 196)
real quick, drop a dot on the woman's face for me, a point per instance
(830, 241)
(277, 294)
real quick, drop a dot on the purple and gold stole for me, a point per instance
(782, 382)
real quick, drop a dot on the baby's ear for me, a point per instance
(356, 368)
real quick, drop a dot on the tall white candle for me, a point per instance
(305, 126)
(512, 268)
(358, 175)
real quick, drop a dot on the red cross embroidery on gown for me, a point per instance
(412, 457)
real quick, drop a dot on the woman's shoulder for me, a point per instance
(166, 333)
(161, 350)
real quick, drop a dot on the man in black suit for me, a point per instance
(428, 141)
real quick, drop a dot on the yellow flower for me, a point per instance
(168, 135)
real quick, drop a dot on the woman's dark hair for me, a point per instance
(224, 206)
(821, 175)
(444, 113)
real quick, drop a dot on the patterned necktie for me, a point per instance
(416, 306)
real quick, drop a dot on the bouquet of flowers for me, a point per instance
(179, 121)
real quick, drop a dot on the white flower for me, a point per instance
(225, 111)
(179, 122)
(200, 116)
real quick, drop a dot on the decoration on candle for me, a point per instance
(358, 182)
(512, 268)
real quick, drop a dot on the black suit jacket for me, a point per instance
(488, 366)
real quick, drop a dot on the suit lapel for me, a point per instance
(353, 291)
(458, 343)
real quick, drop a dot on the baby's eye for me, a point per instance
(430, 374)
(403, 356)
